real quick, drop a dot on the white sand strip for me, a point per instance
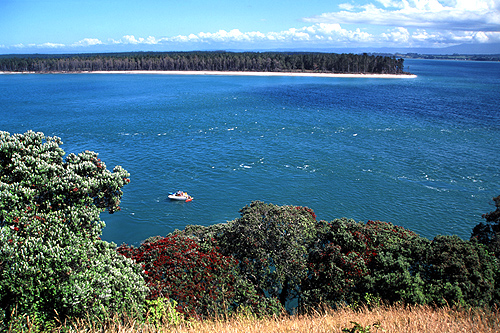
(302, 74)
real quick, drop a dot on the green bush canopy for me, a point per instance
(286, 254)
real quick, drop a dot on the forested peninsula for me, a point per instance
(331, 63)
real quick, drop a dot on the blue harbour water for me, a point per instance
(423, 153)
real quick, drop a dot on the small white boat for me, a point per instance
(180, 196)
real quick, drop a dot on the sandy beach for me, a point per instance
(221, 73)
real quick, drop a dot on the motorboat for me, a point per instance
(180, 196)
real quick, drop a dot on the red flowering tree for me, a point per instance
(201, 280)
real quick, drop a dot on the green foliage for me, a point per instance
(395, 267)
(284, 253)
(209, 61)
(162, 312)
(350, 260)
(54, 266)
(494, 216)
(31, 324)
(460, 272)
(271, 244)
(51, 258)
(488, 233)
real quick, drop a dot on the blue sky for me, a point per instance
(78, 26)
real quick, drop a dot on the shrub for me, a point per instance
(460, 272)
(488, 233)
(351, 259)
(284, 253)
(192, 272)
(162, 311)
(271, 244)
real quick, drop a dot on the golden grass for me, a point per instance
(406, 319)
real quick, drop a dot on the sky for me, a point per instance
(84, 26)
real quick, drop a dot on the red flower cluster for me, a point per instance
(307, 209)
(200, 280)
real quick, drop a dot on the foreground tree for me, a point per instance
(354, 262)
(52, 262)
(271, 243)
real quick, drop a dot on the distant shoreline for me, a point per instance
(233, 73)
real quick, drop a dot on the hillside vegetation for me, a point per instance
(271, 260)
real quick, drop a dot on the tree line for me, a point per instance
(207, 61)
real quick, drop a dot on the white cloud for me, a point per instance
(39, 46)
(131, 39)
(82, 43)
(150, 40)
(347, 6)
(313, 33)
(181, 39)
(51, 45)
(398, 36)
(318, 34)
(128, 39)
(426, 38)
(223, 36)
(466, 15)
(391, 3)
(481, 37)
(88, 42)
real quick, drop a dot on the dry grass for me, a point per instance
(406, 319)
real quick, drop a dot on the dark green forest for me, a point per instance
(206, 61)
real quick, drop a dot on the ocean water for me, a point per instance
(423, 153)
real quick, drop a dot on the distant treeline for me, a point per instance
(469, 57)
(207, 61)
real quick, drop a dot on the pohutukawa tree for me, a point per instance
(201, 281)
(51, 256)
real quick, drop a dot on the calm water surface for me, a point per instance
(422, 153)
